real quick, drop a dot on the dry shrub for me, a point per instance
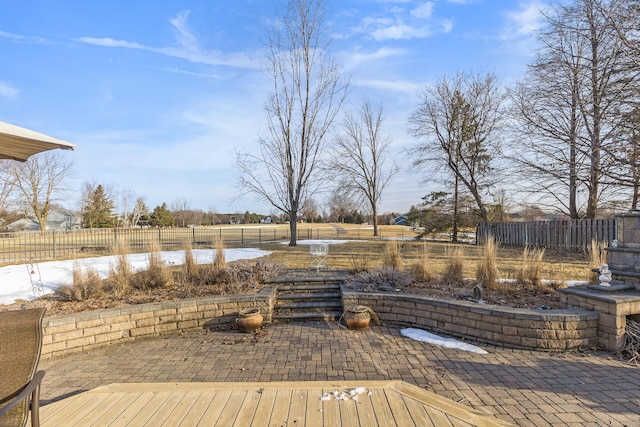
(453, 271)
(86, 284)
(242, 276)
(359, 263)
(157, 275)
(530, 270)
(380, 279)
(189, 267)
(421, 269)
(598, 257)
(121, 274)
(392, 257)
(487, 270)
(219, 261)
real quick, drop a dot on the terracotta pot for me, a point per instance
(357, 317)
(249, 320)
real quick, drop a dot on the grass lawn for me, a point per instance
(556, 265)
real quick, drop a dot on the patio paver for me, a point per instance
(524, 387)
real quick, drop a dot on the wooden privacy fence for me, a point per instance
(570, 235)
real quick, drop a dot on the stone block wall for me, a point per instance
(83, 331)
(613, 307)
(553, 330)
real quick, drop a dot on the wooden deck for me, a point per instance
(314, 403)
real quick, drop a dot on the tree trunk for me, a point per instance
(293, 228)
(454, 231)
(374, 208)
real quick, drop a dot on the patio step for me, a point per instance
(308, 299)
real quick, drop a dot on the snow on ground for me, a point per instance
(18, 280)
(320, 242)
(424, 336)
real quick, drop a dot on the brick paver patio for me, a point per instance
(525, 387)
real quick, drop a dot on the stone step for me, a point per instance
(308, 296)
(308, 287)
(305, 305)
(307, 315)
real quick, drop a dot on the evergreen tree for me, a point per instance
(98, 211)
(162, 217)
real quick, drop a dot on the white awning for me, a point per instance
(19, 143)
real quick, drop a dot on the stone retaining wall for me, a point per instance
(556, 330)
(83, 331)
(614, 307)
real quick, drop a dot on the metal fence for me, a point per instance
(570, 235)
(59, 244)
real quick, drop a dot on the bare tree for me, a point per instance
(569, 105)
(625, 19)
(547, 122)
(181, 210)
(458, 123)
(140, 211)
(39, 181)
(341, 204)
(359, 158)
(7, 183)
(310, 210)
(126, 198)
(307, 94)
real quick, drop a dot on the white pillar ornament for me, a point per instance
(605, 275)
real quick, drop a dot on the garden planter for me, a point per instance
(249, 320)
(357, 317)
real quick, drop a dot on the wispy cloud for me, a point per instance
(400, 22)
(353, 59)
(109, 42)
(423, 11)
(8, 91)
(525, 20)
(23, 39)
(401, 86)
(187, 47)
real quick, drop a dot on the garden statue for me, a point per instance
(605, 275)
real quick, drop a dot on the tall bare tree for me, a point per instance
(359, 157)
(569, 106)
(458, 124)
(140, 213)
(306, 96)
(340, 205)
(551, 144)
(40, 181)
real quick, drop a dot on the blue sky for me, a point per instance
(158, 94)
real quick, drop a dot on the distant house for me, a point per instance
(266, 220)
(401, 220)
(59, 219)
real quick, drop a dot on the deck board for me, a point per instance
(265, 407)
(389, 403)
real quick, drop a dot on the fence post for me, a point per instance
(55, 245)
(259, 235)
(242, 236)
(193, 236)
